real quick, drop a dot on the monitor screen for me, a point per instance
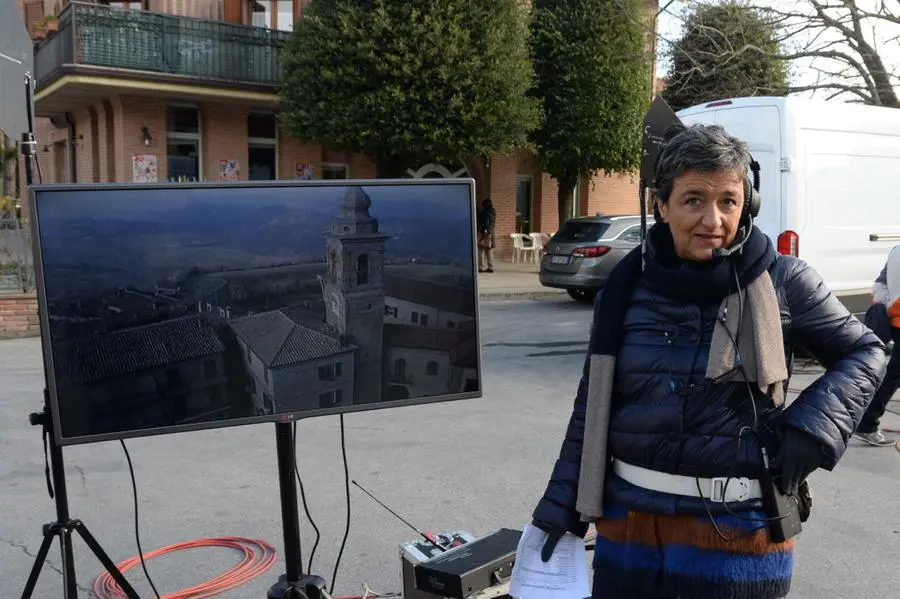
(168, 307)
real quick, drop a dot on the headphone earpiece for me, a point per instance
(752, 200)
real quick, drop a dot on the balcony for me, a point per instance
(104, 42)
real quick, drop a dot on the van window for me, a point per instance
(578, 231)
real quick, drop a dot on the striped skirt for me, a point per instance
(644, 556)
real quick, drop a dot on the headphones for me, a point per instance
(752, 199)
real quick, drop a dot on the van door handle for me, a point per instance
(877, 237)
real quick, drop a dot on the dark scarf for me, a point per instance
(694, 282)
(666, 274)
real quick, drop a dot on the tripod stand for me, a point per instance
(64, 526)
(293, 584)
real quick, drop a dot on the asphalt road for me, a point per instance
(474, 465)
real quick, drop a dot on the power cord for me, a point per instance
(305, 505)
(337, 562)
(137, 532)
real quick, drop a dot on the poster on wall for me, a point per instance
(304, 171)
(229, 170)
(144, 168)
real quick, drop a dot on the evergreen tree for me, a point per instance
(727, 50)
(592, 72)
(410, 82)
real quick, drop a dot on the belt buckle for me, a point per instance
(738, 489)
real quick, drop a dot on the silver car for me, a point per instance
(580, 256)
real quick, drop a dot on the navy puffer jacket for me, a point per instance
(668, 417)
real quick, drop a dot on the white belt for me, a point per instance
(721, 489)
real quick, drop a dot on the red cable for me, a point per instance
(258, 556)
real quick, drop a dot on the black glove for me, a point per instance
(799, 456)
(553, 537)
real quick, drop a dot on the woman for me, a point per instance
(485, 220)
(664, 417)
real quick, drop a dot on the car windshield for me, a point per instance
(577, 231)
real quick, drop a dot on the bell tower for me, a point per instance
(354, 289)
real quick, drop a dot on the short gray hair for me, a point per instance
(704, 148)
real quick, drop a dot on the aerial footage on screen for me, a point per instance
(176, 307)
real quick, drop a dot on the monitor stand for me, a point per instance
(64, 525)
(292, 584)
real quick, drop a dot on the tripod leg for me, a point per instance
(70, 591)
(49, 534)
(105, 560)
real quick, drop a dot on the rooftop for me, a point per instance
(459, 300)
(134, 350)
(288, 336)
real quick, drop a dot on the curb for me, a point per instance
(494, 296)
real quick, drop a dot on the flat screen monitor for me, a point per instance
(171, 307)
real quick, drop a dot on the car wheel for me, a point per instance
(582, 295)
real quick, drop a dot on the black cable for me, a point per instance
(337, 562)
(137, 532)
(305, 505)
(754, 430)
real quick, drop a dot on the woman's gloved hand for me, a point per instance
(799, 456)
(553, 537)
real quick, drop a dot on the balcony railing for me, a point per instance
(99, 36)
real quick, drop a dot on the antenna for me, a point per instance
(399, 517)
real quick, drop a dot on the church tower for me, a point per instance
(354, 288)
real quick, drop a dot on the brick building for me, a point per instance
(157, 90)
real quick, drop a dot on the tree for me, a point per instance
(592, 75)
(839, 43)
(842, 47)
(706, 64)
(410, 82)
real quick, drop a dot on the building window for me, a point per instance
(451, 324)
(262, 146)
(183, 143)
(423, 320)
(431, 369)
(252, 385)
(414, 317)
(390, 310)
(335, 171)
(400, 369)
(330, 399)
(273, 14)
(210, 369)
(362, 269)
(523, 205)
(330, 372)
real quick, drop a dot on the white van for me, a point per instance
(828, 179)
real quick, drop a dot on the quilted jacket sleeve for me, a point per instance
(556, 509)
(831, 408)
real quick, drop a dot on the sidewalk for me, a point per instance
(513, 281)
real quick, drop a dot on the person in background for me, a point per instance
(681, 401)
(887, 293)
(486, 220)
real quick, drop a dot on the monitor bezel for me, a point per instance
(35, 192)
